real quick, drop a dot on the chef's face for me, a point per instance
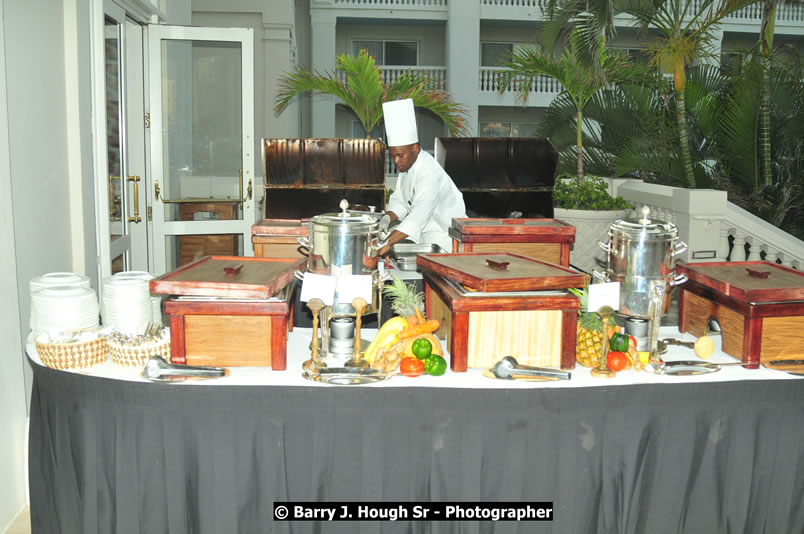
(404, 156)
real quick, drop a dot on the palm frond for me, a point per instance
(364, 91)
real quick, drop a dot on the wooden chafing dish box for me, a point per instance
(759, 306)
(277, 238)
(543, 239)
(229, 310)
(495, 305)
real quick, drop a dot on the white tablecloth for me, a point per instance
(298, 352)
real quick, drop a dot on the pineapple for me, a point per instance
(589, 339)
(405, 300)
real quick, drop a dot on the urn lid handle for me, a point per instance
(645, 211)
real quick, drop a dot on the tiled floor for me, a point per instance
(22, 524)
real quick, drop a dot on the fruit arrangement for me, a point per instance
(590, 338)
(406, 342)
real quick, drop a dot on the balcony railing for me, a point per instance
(437, 75)
(510, 3)
(713, 228)
(490, 82)
(392, 3)
(785, 14)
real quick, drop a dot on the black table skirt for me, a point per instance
(109, 456)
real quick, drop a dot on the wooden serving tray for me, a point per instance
(520, 273)
(252, 278)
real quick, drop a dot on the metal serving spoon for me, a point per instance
(158, 368)
(509, 368)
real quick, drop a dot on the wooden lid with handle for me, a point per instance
(492, 272)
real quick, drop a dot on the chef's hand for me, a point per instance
(385, 223)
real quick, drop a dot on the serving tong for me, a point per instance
(509, 368)
(158, 369)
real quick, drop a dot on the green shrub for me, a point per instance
(587, 193)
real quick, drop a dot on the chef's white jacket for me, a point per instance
(426, 200)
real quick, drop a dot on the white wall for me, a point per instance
(430, 39)
(34, 205)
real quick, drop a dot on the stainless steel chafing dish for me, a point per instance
(406, 252)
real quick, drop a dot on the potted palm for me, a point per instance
(585, 203)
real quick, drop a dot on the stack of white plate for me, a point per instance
(51, 280)
(126, 304)
(156, 300)
(64, 308)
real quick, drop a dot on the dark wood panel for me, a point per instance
(531, 204)
(316, 161)
(303, 203)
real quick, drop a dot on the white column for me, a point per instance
(323, 60)
(716, 48)
(738, 246)
(463, 57)
(770, 254)
(754, 249)
(723, 243)
(698, 213)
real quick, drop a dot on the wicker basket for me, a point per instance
(136, 356)
(73, 355)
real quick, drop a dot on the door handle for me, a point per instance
(136, 180)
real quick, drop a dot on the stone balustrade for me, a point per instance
(713, 228)
(392, 3)
(489, 78)
(437, 76)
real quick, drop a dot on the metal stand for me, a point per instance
(601, 371)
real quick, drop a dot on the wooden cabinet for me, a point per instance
(193, 247)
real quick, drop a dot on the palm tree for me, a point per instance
(364, 91)
(685, 31)
(766, 31)
(581, 71)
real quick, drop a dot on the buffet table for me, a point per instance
(640, 453)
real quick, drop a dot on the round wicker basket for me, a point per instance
(73, 355)
(136, 356)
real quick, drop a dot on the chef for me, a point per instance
(425, 199)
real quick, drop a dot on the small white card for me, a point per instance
(352, 286)
(607, 294)
(318, 286)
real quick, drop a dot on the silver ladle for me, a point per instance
(158, 368)
(509, 368)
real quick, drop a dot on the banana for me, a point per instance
(388, 333)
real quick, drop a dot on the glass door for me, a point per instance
(202, 143)
(124, 225)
